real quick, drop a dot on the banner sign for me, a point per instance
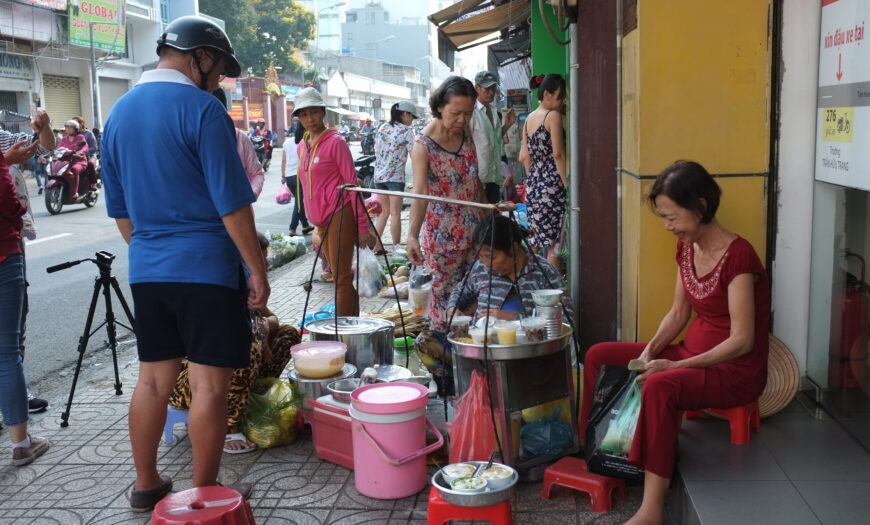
(60, 5)
(843, 105)
(108, 20)
(16, 66)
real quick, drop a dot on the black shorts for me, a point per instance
(207, 323)
(390, 186)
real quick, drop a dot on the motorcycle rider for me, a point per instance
(262, 131)
(74, 141)
(93, 150)
(368, 138)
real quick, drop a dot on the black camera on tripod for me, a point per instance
(105, 282)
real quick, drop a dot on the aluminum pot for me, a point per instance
(314, 388)
(369, 341)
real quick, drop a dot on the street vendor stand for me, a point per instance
(519, 376)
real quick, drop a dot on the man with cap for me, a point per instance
(177, 190)
(488, 133)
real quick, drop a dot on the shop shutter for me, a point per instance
(111, 89)
(62, 98)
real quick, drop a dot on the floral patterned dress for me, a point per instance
(545, 193)
(393, 142)
(446, 239)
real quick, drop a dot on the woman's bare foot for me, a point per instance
(644, 517)
(236, 443)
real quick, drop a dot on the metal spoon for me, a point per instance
(482, 467)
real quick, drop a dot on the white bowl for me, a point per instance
(497, 476)
(456, 471)
(547, 297)
(469, 485)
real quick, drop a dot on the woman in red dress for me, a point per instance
(722, 362)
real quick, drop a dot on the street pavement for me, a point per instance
(85, 476)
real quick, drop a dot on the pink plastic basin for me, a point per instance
(389, 398)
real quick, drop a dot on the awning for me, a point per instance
(457, 10)
(341, 111)
(465, 30)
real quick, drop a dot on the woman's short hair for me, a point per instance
(690, 186)
(550, 83)
(506, 233)
(263, 240)
(300, 131)
(451, 87)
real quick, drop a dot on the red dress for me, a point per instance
(725, 385)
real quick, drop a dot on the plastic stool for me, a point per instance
(571, 472)
(203, 506)
(173, 416)
(739, 418)
(441, 511)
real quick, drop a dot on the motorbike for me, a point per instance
(260, 149)
(368, 143)
(59, 190)
(365, 172)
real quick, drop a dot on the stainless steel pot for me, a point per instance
(314, 388)
(369, 341)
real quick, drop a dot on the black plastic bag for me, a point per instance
(547, 436)
(613, 386)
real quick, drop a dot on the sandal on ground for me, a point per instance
(26, 455)
(245, 489)
(326, 277)
(382, 251)
(238, 436)
(307, 229)
(293, 233)
(145, 500)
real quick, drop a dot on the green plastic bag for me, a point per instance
(620, 432)
(271, 413)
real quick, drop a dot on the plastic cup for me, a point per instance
(459, 326)
(535, 329)
(477, 334)
(418, 299)
(506, 332)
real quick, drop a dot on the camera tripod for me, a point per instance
(105, 282)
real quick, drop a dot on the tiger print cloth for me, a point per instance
(240, 385)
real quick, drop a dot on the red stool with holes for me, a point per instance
(204, 506)
(739, 418)
(571, 472)
(441, 511)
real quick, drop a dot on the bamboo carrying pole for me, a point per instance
(493, 207)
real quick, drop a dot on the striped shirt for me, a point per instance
(9, 139)
(537, 274)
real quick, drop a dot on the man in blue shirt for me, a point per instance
(176, 187)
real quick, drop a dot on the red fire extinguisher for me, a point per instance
(850, 330)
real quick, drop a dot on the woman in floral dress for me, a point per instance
(543, 153)
(445, 165)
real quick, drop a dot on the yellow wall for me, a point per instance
(696, 85)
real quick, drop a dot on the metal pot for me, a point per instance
(369, 341)
(314, 388)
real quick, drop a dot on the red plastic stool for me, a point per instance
(739, 418)
(571, 472)
(203, 506)
(441, 511)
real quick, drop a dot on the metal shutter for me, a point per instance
(9, 102)
(111, 89)
(62, 98)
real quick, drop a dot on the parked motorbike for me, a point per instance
(59, 188)
(365, 172)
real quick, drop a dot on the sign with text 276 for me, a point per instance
(107, 17)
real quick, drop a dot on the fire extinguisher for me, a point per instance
(850, 330)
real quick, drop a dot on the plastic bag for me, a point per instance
(373, 204)
(368, 277)
(546, 436)
(420, 290)
(612, 422)
(472, 437)
(284, 196)
(270, 417)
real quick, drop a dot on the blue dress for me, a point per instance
(545, 194)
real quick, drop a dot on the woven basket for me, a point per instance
(783, 379)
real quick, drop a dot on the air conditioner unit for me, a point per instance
(138, 10)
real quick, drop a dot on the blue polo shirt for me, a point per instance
(170, 165)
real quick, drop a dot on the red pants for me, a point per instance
(664, 395)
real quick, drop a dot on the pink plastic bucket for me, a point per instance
(389, 439)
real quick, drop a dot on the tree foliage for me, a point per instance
(264, 32)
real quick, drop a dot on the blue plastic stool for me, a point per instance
(173, 416)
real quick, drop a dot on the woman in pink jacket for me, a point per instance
(325, 162)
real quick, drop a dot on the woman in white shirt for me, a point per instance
(289, 176)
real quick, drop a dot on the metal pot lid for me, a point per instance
(348, 325)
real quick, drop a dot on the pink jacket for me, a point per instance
(249, 160)
(320, 175)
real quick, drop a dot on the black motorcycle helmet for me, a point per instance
(188, 33)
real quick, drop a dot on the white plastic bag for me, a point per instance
(369, 277)
(420, 290)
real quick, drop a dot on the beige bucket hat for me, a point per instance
(307, 98)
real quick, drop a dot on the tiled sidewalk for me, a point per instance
(85, 475)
